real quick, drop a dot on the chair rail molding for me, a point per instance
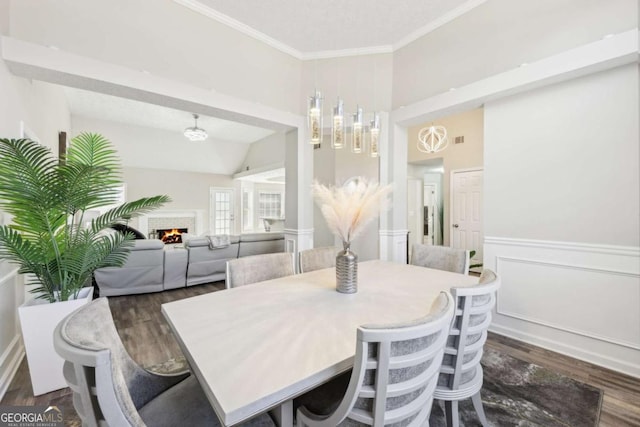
(579, 299)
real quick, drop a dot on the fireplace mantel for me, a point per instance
(196, 214)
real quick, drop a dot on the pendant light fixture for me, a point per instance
(357, 132)
(195, 133)
(337, 126)
(314, 115)
(374, 136)
(432, 139)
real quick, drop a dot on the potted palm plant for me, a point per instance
(52, 241)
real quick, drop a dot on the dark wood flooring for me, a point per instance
(148, 339)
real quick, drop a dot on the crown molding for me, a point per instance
(209, 12)
(196, 6)
(358, 51)
(434, 25)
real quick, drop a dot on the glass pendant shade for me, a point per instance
(337, 126)
(315, 118)
(357, 132)
(374, 136)
(195, 133)
(432, 139)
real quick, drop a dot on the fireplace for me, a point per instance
(171, 235)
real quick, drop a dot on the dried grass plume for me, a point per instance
(349, 208)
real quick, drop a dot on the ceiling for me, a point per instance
(312, 28)
(121, 110)
(303, 28)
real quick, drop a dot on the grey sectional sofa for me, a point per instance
(152, 267)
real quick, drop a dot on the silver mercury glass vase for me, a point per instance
(347, 270)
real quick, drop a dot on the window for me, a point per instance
(270, 205)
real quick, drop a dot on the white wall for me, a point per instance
(562, 214)
(144, 147)
(566, 160)
(499, 35)
(348, 165)
(364, 80)
(188, 190)
(44, 110)
(165, 39)
(266, 152)
(323, 172)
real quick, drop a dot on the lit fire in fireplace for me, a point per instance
(170, 236)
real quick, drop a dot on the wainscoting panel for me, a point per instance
(578, 299)
(11, 348)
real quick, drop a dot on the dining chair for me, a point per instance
(394, 373)
(317, 258)
(256, 268)
(441, 258)
(461, 372)
(110, 388)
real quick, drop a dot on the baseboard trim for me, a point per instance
(569, 350)
(9, 363)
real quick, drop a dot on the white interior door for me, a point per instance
(466, 211)
(221, 205)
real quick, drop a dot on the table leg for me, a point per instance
(283, 414)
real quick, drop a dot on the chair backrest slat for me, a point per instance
(396, 369)
(469, 331)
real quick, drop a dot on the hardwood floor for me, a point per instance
(148, 339)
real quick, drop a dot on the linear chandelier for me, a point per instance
(361, 133)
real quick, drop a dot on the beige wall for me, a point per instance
(499, 35)
(456, 156)
(562, 162)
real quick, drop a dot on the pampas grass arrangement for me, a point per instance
(349, 208)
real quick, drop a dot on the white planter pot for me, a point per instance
(38, 319)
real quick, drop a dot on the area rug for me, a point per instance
(515, 393)
(518, 393)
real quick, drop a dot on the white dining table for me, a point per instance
(256, 347)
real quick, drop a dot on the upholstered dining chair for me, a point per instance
(318, 258)
(461, 372)
(110, 388)
(394, 374)
(441, 258)
(256, 268)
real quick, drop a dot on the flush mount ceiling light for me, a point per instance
(432, 139)
(195, 133)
